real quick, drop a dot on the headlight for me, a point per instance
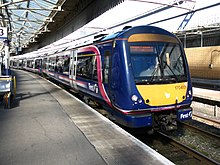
(134, 98)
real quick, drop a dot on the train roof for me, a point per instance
(127, 31)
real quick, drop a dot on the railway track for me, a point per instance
(200, 137)
(174, 150)
(191, 153)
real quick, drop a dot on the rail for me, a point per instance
(193, 153)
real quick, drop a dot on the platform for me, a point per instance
(47, 125)
(209, 94)
(206, 103)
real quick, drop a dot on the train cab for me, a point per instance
(149, 76)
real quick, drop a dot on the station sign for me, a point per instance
(3, 33)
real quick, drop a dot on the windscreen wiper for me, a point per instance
(154, 72)
(171, 71)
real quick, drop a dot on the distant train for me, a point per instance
(139, 75)
(204, 62)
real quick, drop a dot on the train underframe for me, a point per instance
(165, 120)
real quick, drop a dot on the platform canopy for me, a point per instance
(29, 20)
(26, 19)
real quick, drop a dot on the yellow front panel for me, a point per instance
(163, 94)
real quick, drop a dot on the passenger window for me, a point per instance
(87, 66)
(52, 63)
(62, 64)
(30, 63)
(38, 63)
(59, 64)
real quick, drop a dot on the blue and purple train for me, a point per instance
(140, 75)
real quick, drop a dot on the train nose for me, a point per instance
(163, 94)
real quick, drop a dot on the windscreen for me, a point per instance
(157, 62)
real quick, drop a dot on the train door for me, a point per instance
(45, 65)
(72, 69)
(106, 67)
(40, 66)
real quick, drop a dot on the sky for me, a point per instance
(132, 8)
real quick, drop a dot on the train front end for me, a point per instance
(158, 86)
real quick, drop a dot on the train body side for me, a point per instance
(204, 62)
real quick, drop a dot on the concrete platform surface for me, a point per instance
(206, 94)
(48, 126)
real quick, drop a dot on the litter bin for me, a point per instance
(7, 90)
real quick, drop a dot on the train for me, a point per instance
(204, 62)
(140, 75)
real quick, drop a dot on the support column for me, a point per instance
(7, 57)
(201, 39)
